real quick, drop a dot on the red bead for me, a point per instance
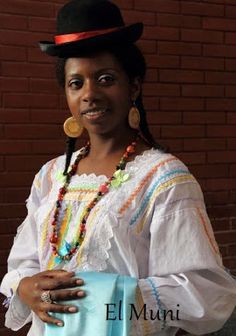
(53, 240)
(130, 149)
(103, 189)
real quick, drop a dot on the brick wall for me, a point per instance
(190, 92)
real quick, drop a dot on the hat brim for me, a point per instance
(128, 34)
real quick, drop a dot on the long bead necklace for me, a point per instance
(102, 190)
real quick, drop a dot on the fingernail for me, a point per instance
(60, 324)
(72, 309)
(79, 282)
(80, 293)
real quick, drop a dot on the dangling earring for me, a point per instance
(134, 117)
(72, 128)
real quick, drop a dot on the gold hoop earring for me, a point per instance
(134, 117)
(72, 128)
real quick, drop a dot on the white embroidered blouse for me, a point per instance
(153, 227)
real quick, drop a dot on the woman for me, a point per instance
(119, 210)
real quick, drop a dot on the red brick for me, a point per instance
(18, 22)
(151, 102)
(213, 198)
(204, 118)
(18, 69)
(133, 16)
(6, 242)
(151, 75)
(217, 77)
(48, 116)
(42, 24)
(37, 56)
(233, 170)
(10, 53)
(222, 184)
(11, 211)
(209, 171)
(192, 158)
(221, 131)
(33, 132)
(174, 145)
(231, 143)
(231, 118)
(162, 61)
(230, 64)
(222, 156)
(183, 132)
(179, 48)
(230, 91)
(175, 20)
(30, 100)
(203, 9)
(230, 263)
(223, 250)
(2, 166)
(27, 8)
(181, 104)
(21, 179)
(9, 225)
(147, 47)
(13, 147)
(200, 35)
(202, 91)
(219, 50)
(8, 84)
(161, 33)
(204, 144)
(230, 38)
(155, 130)
(44, 85)
(14, 115)
(202, 63)
(168, 118)
(25, 163)
(166, 6)
(220, 224)
(232, 250)
(219, 24)
(233, 224)
(22, 38)
(123, 3)
(162, 90)
(181, 76)
(230, 11)
(220, 104)
(224, 211)
(13, 195)
(52, 147)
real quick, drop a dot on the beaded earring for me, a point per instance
(72, 128)
(134, 117)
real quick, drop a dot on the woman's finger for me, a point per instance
(60, 283)
(61, 295)
(45, 317)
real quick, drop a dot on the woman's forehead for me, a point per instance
(94, 62)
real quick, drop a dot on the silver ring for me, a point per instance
(46, 297)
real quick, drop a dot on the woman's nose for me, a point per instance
(90, 91)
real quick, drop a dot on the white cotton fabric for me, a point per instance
(156, 230)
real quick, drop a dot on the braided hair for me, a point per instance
(133, 62)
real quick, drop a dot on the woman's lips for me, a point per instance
(94, 114)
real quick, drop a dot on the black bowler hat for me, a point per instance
(84, 25)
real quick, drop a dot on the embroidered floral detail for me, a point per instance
(119, 177)
(7, 301)
(60, 177)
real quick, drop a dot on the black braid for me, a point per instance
(70, 148)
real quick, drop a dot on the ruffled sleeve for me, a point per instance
(23, 259)
(187, 286)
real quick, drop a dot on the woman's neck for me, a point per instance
(103, 146)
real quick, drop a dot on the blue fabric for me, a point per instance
(95, 316)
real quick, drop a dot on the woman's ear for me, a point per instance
(136, 85)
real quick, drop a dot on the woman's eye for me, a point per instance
(106, 79)
(75, 84)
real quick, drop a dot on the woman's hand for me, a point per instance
(57, 282)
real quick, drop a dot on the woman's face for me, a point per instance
(99, 93)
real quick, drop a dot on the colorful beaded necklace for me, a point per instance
(102, 190)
